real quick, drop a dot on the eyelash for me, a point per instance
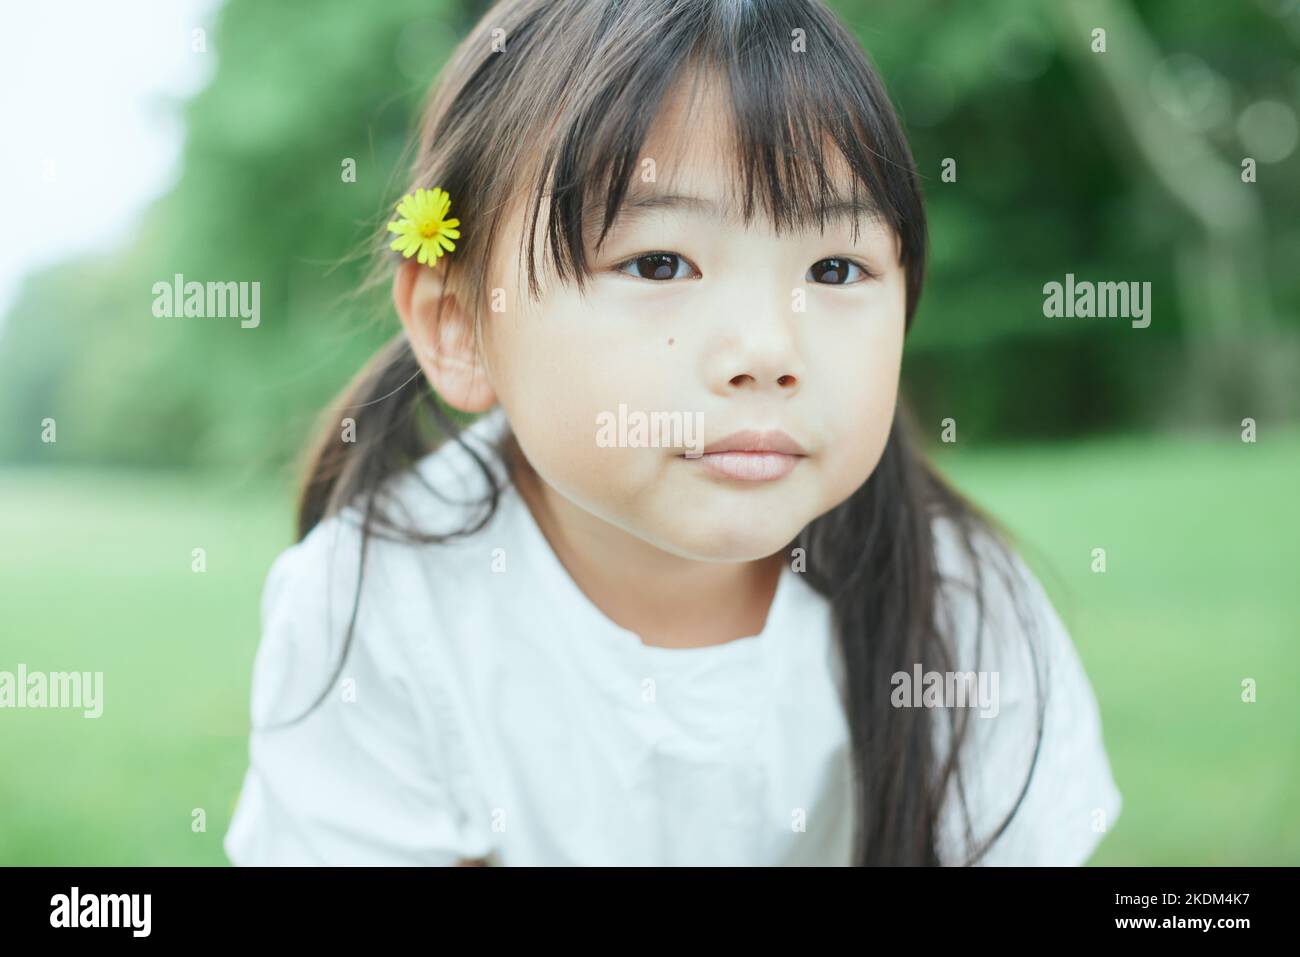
(622, 266)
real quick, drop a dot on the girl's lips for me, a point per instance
(747, 466)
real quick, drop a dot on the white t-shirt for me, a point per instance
(488, 709)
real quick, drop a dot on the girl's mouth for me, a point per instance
(762, 466)
(751, 455)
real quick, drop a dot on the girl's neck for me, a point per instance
(666, 600)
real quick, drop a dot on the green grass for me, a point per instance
(1202, 540)
(1203, 545)
(96, 572)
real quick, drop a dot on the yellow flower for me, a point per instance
(421, 225)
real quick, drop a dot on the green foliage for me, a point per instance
(260, 197)
(1048, 182)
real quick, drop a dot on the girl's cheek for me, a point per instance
(858, 398)
(553, 380)
(554, 412)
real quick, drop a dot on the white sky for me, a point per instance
(89, 114)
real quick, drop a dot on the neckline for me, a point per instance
(556, 580)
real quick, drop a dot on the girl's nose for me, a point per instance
(745, 380)
(759, 350)
(760, 361)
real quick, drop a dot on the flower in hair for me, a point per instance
(421, 225)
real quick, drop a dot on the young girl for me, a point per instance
(554, 638)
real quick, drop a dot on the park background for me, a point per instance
(1122, 166)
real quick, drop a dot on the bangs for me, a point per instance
(812, 133)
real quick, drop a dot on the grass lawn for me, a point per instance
(1201, 591)
(1203, 545)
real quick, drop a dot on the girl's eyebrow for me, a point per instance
(637, 204)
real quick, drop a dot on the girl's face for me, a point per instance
(692, 313)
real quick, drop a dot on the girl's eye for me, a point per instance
(836, 272)
(655, 266)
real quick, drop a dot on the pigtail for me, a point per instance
(373, 430)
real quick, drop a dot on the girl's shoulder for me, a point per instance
(382, 584)
(447, 494)
(361, 750)
(992, 608)
(1040, 723)
(450, 489)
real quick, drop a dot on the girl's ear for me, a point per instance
(441, 334)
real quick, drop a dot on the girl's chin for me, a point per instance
(713, 541)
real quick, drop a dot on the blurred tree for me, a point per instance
(1113, 167)
(1220, 278)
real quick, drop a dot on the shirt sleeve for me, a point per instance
(1071, 800)
(360, 780)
